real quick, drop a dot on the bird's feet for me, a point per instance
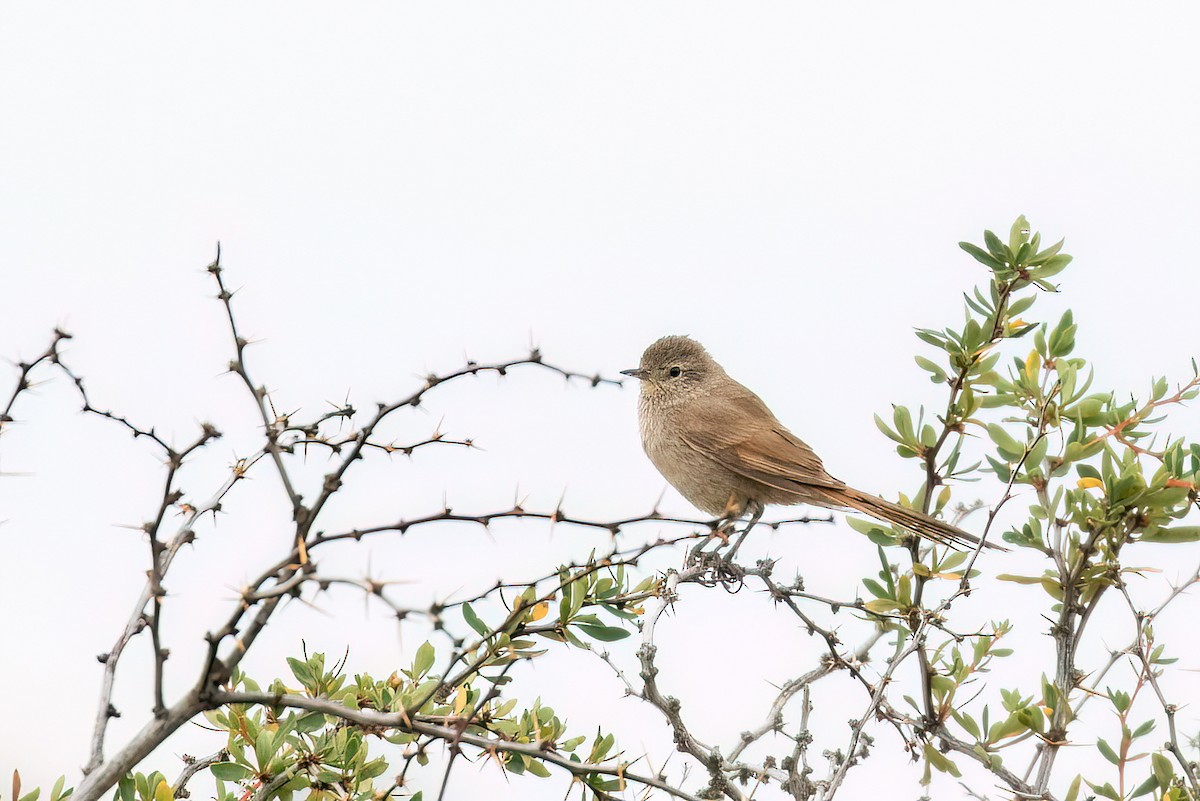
(717, 568)
(718, 563)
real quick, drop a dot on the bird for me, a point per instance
(719, 445)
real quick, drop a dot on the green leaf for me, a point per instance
(981, 256)
(1009, 447)
(1164, 771)
(370, 770)
(1054, 265)
(940, 761)
(310, 722)
(1062, 338)
(1019, 579)
(881, 537)
(967, 722)
(125, 788)
(1145, 787)
(902, 418)
(995, 246)
(938, 375)
(604, 633)
(473, 621)
(952, 561)
(1173, 535)
(887, 432)
(143, 788)
(1048, 253)
(423, 661)
(931, 337)
(863, 526)
(1073, 791)
(1006, 728)
(1019, 233)
(303, 673)
(1106, 790)
(264, 748)
(874, 588)
(882, 605)
(231, 771)
(1107, 752)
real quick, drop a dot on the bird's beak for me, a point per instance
(635, 372)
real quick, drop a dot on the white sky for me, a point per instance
(397, 185)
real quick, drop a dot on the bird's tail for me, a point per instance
(919, 523)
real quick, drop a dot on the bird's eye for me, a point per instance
(675, 372)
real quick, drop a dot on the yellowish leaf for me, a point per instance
(460, 700)
(540, 611)
(1090, 482)
(1032, 363)
(949, 576)
(881, 605)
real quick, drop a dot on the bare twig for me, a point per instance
(50, 356)
(193, 765)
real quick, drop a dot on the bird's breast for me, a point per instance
(703, 481)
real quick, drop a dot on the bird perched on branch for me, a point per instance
(718, 444)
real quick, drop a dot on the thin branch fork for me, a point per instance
(193, 765)
(137, 621)
(1118, 431)
(101, 773)
(49, 355)
(1141, 651)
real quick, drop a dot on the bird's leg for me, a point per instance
(722, 569)
(722, 527)
(722, 530)
(725, 523)
(756, 513)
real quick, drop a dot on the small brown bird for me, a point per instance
(718, 444)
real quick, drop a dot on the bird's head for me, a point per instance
(673, 368)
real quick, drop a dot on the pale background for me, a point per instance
(399, 185)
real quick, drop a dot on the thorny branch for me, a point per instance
(286, 578)
(25, 369)
(727, 772)
(373, 719)
(193, 765)
(162, 553)
(1141, 652)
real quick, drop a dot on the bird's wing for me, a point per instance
(741, 434)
